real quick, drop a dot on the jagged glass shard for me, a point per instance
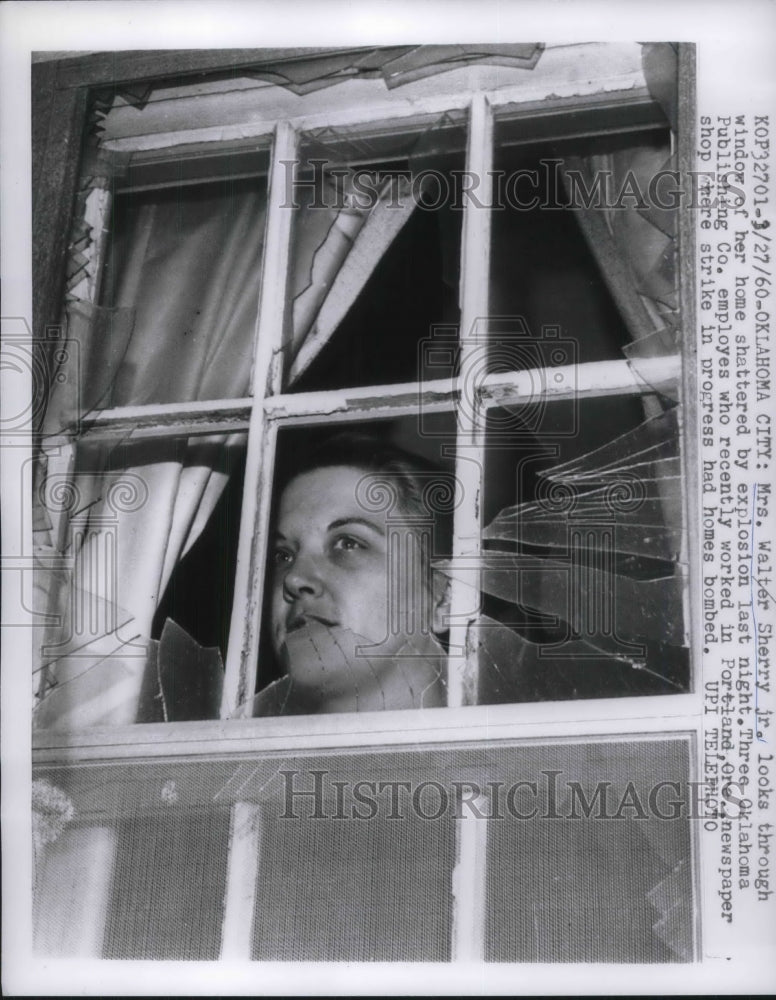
(596, 603)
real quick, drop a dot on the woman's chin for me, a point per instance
(325, 658)
(331, 671)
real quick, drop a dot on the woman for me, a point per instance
(355, 607)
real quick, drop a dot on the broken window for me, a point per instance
(449, 249)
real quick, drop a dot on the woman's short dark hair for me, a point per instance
(424, 490)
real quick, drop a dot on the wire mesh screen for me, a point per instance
(168, 887)
(353, 855)
(354, 890)
(149, 887)
(600, 871)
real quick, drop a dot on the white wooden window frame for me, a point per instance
(561, 86)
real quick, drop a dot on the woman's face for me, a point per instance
(330, 589)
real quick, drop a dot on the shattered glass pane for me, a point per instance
(587, 565)
(637, 539)
(653, 439)
(577, 591)
(512, 669)
(108, 653)
(632, 483)
(183, 680)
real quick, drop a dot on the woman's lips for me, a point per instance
(297, 622)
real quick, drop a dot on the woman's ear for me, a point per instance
(440, 593)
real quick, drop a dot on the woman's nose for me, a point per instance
(303, 578)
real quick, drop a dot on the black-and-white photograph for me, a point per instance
(365, 487)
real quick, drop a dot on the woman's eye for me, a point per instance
(347, 543)
(282, 557)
